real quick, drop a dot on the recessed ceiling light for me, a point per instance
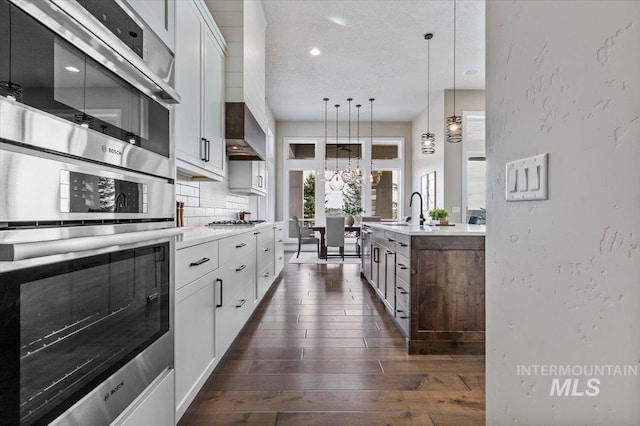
(472, 71)
(315, 51)
(71, 68)
(339, 21)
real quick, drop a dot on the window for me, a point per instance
(302, 151)
(385, 195)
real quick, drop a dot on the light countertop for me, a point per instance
(203, 234)
(460, 229)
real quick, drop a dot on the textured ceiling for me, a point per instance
(378, 50)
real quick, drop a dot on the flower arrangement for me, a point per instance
(353, 210)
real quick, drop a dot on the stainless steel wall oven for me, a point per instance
(87, 229)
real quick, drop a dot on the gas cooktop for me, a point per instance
(235, 222)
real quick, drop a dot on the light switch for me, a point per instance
(534, 177)
(523, 183)
(512, 178)
(527, 179)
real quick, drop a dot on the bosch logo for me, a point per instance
(113, 391)
(111, 150)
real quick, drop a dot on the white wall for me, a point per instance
(422, 164)
(292, 129)
(563, 275)
(466, 100)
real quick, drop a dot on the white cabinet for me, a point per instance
(264, 262)
(156, 405)
(237, 287)
(195, 320)
(160, 16)
(248, 177)
(278, 255)
(199, 135)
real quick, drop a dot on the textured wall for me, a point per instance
(563, 275)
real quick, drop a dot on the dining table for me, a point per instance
(323, 247)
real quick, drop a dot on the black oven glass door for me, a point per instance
(68, 326)
(57, 78)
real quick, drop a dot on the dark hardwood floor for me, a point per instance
(320, 350)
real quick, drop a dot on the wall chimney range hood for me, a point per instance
(244, 137)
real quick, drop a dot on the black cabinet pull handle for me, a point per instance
(389, 252)
(267, 249)
(219, 305)
(401, 290)
(200, 262)
(403, 244)
(279, 241)
(242, 302)
(241, 245)
(208, 150)
(256, 233)
(240, 268)
(391, 240)
(259, 181)
(401, 266)
(266, 274)
(152, 298)
(203, 149)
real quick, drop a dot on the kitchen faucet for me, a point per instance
(421, 214)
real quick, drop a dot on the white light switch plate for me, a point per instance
(527, 179)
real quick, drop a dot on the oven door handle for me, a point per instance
(30, 250)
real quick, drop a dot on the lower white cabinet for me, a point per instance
(195, 349)
(278, 255)
(156, 406)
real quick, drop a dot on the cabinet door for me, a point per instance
(366, 255)
(213, 103)
(390, 281)
(194, 338)
(160, 16)
(234, 304)
(260, 180)
(188, 84)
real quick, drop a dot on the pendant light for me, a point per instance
(348, 176)
(327, 174)
(336, 183)
(12, 91)
(428, 142)
(454, 123)
(359, 144)
(374, 176)
(84, 120)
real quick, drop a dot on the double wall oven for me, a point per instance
(87, 224)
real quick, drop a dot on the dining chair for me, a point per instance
(475, 220)
(334, 235)
(304, 237)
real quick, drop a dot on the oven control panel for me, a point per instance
(86, 193)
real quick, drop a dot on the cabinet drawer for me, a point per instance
(403, 293)
(403, 268)
(265, 255)
(231, 317)
(403, 317)
(265, 278)
(234, 277)
(237, 247)
(195, 261)
(403, 246)
(265, 236)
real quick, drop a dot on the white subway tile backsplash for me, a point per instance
(193, 201)
(181, 198)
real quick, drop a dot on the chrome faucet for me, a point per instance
(421, 214)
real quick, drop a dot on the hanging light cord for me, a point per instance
(349, 140)
(371, 135)
(337, 106)
(325, 132)
(454, 58)
(428, 73)
(358, 136)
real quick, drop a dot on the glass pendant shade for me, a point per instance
(374, 177)
(428, 143)
(328, 174)
(348, 176)
(454, 129)
(336, 183)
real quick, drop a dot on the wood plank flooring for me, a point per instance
(320, 350)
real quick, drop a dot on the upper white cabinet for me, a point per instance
(248, 177)
(160, 16)
(200, 53)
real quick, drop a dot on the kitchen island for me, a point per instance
(431, 281)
